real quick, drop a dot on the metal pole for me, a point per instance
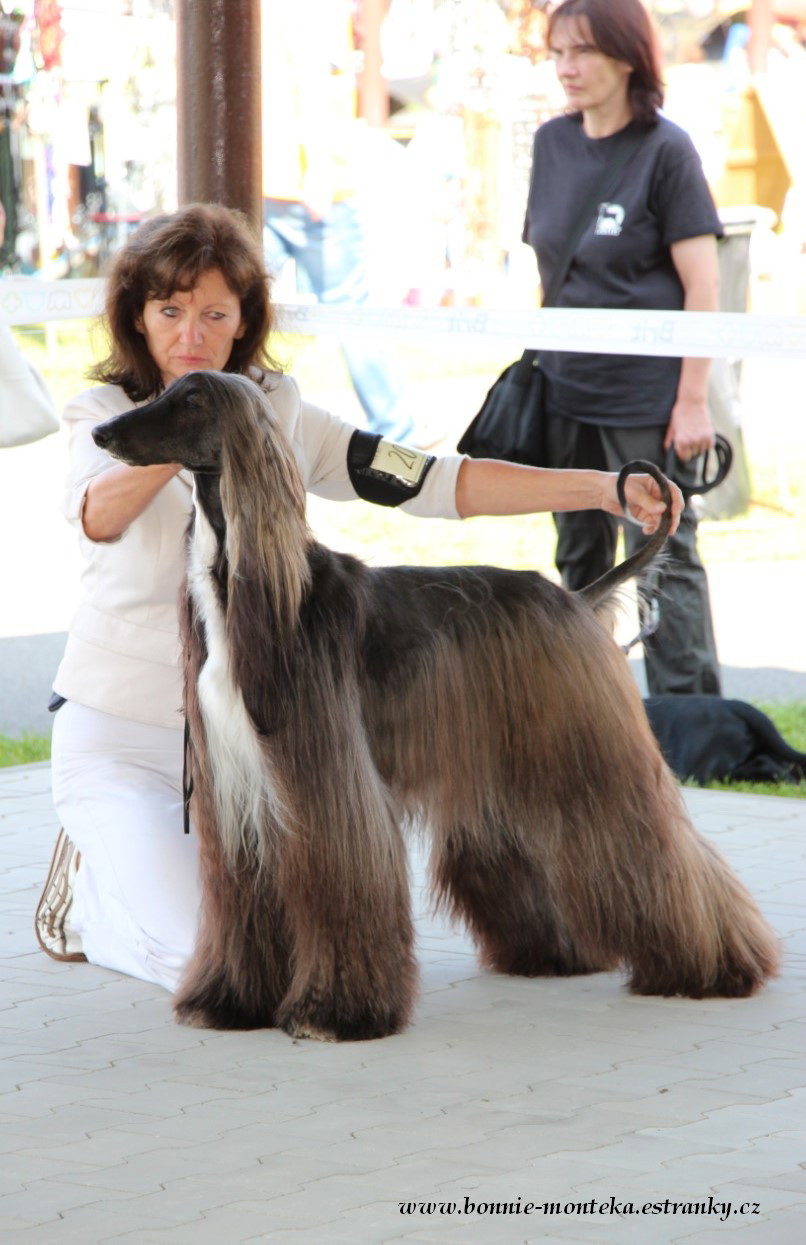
(219, 154)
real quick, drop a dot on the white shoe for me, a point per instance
(51, 922)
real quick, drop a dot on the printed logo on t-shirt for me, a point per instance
(610, 219)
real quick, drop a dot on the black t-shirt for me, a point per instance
(623, 259)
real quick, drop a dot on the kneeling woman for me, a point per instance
(189, 292)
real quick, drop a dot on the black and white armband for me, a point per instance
(383, 472)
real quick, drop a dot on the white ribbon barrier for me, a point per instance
(683, 334)
(27, 300)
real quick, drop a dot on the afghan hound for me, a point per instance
(331, 706)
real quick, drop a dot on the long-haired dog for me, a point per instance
(331, 704)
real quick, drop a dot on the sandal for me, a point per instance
(53, 910)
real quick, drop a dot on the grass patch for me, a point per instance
(790, 718)
(760, 535)
(789, 790)
(24, 749)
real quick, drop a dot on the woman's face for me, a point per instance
(193, 330)
(592, 81)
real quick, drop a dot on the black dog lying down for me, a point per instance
(707, 737)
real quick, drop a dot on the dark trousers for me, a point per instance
(680, 657)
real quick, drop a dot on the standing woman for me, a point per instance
(189, 292)
(654, 247)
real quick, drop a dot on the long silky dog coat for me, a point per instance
(331, 704)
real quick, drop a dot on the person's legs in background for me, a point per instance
(680, 656)
(283, 233)
(331, 254)
(586, 539)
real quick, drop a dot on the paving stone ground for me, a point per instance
(118, 1126)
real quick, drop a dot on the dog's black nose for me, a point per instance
(101, 435)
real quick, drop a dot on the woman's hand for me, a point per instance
(690, 430)
(643, 499)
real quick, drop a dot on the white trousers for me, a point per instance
(117, 787)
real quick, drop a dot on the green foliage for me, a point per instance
(790, 718)
(790, 790)
(24, 749)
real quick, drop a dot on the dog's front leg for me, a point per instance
(344, 882)
(239, 970)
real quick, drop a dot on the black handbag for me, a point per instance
(510, 423)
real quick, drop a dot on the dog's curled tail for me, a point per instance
(603, 588)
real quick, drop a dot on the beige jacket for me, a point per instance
(122, 653)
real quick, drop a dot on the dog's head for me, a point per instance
(183, 425)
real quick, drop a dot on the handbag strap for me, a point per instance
(605, 185)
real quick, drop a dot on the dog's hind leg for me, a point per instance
(693, 928)
(629, 871)
(589, 859)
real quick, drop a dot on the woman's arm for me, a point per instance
(485, 486)
(118, 496)
(690, 430)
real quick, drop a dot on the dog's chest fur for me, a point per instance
(247, 795)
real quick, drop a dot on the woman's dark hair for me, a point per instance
(623, 30)
(170, 253)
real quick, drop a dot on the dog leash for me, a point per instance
(648, 611)
(722, 452)
(187, 778)
(649, 600)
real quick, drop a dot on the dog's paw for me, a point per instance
(736, 982)
(534, 962)
(749, 957)
(221, 1010)
(196, 1017)
(343, 1023)
(300, 1030)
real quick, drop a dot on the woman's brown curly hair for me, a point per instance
(170, 253)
